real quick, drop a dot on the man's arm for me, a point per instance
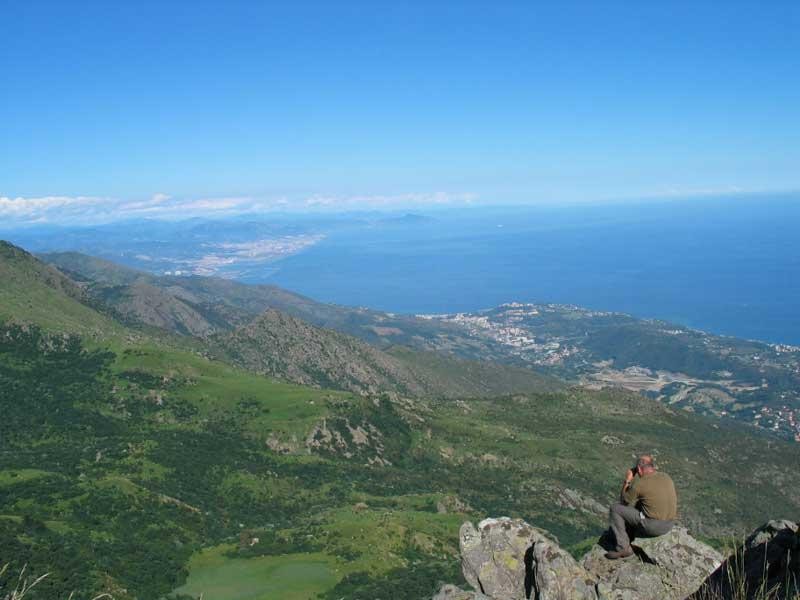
(624, 495)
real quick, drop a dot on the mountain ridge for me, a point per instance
(279, 345)
(247, 326)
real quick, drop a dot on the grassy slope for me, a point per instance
(89, 268)
(726, 476)
(33, 292)
(116, 444)
(472, 378)
(280, 345)
(135, 477)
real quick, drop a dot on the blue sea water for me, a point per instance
(728, 266)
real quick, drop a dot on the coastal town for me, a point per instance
(506, 325)
(784, 418)
(232, 259)
(754, 382)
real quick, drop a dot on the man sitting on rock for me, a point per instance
(647, 508)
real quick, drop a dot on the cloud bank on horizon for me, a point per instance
(24, 211)
(70, 210)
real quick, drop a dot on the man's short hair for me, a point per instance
(645, 460)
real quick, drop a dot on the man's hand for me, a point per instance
(629, 475)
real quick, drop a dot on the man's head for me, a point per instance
(645, 464)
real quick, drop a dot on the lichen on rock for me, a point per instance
(669, 567)
(509, 559)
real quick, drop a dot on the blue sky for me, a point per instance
(124, 108)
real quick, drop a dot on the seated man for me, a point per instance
(647, 508)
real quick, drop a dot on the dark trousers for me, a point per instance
(627, 522)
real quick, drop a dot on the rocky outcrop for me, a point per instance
(767, 561)
(669, 566)
(574, 500)
(337, 436)
(508, 559)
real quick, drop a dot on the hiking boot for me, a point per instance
(625, 553)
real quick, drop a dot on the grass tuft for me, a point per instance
(734, 582)
(25, 583)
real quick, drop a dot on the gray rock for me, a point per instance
(574, 500)
(611, 440)
(769, 559)
(768, 532)
(670, 566)
(508, 559)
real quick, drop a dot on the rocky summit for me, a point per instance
(509, 559)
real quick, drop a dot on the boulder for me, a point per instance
(768, 560)
(508, 559)
(772, 531)
(670, 566)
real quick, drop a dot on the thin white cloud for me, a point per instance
(33, 208)
(155, 201)
(159, 198)
(390, 201)
(678, 191)
(214, 204)
(91, 209)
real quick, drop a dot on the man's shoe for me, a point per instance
(620, 553)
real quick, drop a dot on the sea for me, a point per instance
(730, 266)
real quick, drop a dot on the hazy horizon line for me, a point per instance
(72, 211)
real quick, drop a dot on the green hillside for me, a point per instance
(168, 303)
(224, 304)
(33, 292)
(82, 267)
(279, 345)
(148, 456)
